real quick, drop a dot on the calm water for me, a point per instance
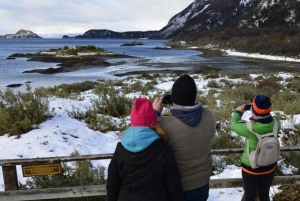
(11, 70)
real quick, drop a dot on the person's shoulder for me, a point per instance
(119, 149)
(165, 116)
(207, 112)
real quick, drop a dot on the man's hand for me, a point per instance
(157, 104)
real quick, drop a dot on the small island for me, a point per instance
(14, 85)
(70, 59)
(133, 43)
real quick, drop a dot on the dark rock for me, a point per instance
(133, 43)
(51, 70)
(162, 48)
(14, 85)
(13, 56)
(45, 71)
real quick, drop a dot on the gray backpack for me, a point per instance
(267, 150)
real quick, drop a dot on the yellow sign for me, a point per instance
(42, 169)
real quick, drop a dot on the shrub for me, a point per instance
(239, 94)
(66, 90)
(286, 101)
(225, 139)
(291, 137)
(146, 76)
(294, 85)
(115, 105)
(65, 48)
(211, 76)
(213, 84)
(269, 85)
(238, 75)
(288, 193)
(18, 112)
(107, 123)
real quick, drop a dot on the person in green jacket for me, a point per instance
(258, 179)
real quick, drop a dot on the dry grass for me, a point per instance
(288, 193)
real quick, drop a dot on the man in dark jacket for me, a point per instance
(190, 128)
(143, 167)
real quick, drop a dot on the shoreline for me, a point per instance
(214, 60)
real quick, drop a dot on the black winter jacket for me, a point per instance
(149, 175)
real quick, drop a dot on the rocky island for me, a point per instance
(70, 59)
(22, 33)
(133, 43)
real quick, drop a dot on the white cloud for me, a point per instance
(62, 16)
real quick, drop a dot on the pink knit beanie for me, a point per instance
(142, 113)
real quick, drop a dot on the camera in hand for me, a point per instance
(247, 106)
(167, 99)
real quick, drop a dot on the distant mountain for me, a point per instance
(204, 15)
(254, 26)
(104, 33)
(22, 33)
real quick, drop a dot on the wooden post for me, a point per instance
(10, 178)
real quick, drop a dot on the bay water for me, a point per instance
(11, 70)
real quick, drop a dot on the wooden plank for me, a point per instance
(54, 193)
(100, 190)
(59, 159)
(31, 161)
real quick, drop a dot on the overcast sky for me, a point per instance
(78, 16)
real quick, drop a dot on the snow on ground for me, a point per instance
(260, 56)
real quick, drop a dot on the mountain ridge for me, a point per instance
(203, 15)
(105, 33)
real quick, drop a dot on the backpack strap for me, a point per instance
(249, 126)
(275, 127)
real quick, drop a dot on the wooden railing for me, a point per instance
(11, 182)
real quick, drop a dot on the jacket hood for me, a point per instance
(138, 138)
(188, 115)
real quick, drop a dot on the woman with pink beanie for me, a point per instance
(143, 167)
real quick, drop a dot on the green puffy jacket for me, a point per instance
(242, 130)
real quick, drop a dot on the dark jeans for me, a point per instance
(198, 194)
(260, 184)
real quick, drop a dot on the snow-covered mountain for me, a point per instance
(22, 33)
(209, 14)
